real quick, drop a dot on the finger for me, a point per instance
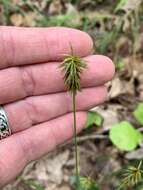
(39, 109)
(19, 149)
(20, 82)
(20, 46)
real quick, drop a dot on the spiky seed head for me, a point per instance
(132, 176)
(72, 67)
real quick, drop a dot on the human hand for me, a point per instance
(33, 93)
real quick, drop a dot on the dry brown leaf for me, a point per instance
(137, 154)
(49, 169)
(17, 19)
(110, 116)
(55, 7)
(29, 19)
(51, 186)
(117, 88)
(131, 5)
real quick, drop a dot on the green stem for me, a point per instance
(75, 136)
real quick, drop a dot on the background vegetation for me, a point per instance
(117, 30)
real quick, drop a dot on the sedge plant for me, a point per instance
(132, 176)
(72, 67)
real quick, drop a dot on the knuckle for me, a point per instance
(27, 80)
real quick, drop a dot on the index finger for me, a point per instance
(20, 46)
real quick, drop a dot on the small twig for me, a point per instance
(141, 129)
(91, 137)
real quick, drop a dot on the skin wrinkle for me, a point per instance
(27, 147)
(48, 46)
(22, 144)
(71, 127)
(8, 50)
(59, 45)
(13, 112)
(35, 110)
(54, 136)
(12, 50)
(3, 49)
(30, 146)
(2, 171)
(67, 100)
(32, 111)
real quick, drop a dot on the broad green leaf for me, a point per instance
(125, 136)
(93, 118)
(138, 113)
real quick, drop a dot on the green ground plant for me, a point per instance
(132, 177)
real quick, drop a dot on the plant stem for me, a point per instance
(75, 136)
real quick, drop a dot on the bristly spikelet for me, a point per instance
(72, 67)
